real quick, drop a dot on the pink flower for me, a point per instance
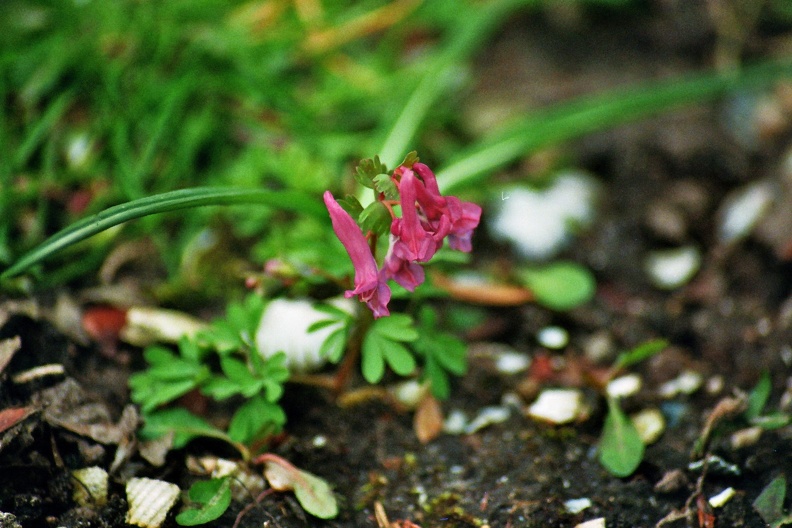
(408, 274)
(463, 217)
(415, 243)
(370, 286)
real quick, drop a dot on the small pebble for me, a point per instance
(745, 437)
(150, 501)
(669, 269)
(650, 425)
(486, 417)
(512, 362)
(408, 393)
(455, 422)
(687, 382)
(593, 523)
(553, 337)
(319, 441)
(575, 506)
(558, 406)
(624, 386)
(722, 498)
(742, 209)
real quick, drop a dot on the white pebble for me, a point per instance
(284, 328)
(687, 382)
(512, 362)
(553, 337)
(558, 406)
(742, 209)
(671, 268)
(575, 506)
(486, 417)
(650, 424)
(624, 386)
(745, 437)
(722, 498)
(541, 222)
(408, 393)
(455, 422)
(593, 523)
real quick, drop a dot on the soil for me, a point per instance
(665, 183)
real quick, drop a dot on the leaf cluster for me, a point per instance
(398, 342)
(220, 362)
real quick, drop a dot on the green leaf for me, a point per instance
(438, 379)
(334, 345)
(410, 159)
(384, 184)
(324, 323)
(620, 449)
(768, 422)
(185, 426)
(770, 503)
(256, 418)
(640, 353)
(214, 496)
(351, 205)
(240, 374)
(313, 493)
(375, 218)
(373, 357)
(151, 393)
(399, 358)
(560, 286)
(758, 397)
(397, 327)
(162, 203)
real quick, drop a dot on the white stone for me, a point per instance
(486, 417)
(593, 523)
(512, 362)
(671, 268)
(553, 337)
(624, 386)
(575, 506)
(539, 223)
(650, 424)
(90, 488)
(455, 422)
(687, 382)
(558, 406)
(743, 208)
(284, 328)
(722, 498)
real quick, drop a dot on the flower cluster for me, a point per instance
(427, 219)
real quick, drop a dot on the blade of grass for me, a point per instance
(438, 75)
(161, 203)
(35, 135)
(596, 112)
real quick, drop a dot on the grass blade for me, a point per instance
(161, 203)
(596, 112)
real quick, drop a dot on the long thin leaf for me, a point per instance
(597, 112)
(161, 203)
(440, 73)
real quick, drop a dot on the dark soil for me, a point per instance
(730, 323)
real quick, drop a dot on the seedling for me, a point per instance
(621, 449)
